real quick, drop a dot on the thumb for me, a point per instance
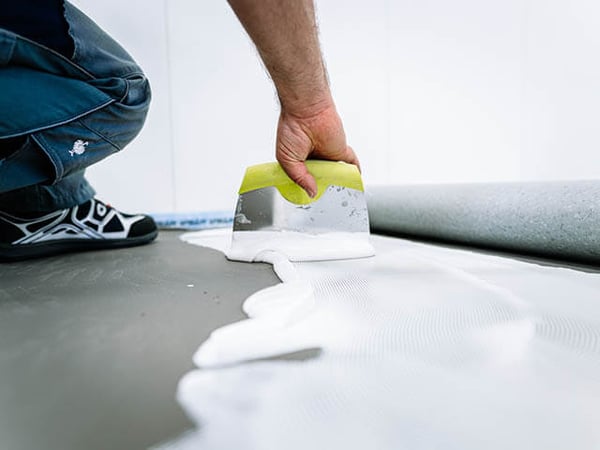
(300, 175)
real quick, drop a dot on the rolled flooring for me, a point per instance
(558, 220)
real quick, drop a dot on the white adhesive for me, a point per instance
(249, 245)
(421, 347)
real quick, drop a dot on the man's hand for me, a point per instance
(317, 136)
(285, 34)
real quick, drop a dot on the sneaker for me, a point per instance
(92, 225)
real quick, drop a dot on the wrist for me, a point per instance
(305, 105)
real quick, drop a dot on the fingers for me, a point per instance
(352, 158)
(319, 137)
(346, 155)
(300, 175)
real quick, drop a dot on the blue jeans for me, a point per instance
(64, 114)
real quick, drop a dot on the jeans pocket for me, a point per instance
(73, 147)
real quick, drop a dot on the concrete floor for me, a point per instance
(92, 345)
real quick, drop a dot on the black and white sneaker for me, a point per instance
(92, 225)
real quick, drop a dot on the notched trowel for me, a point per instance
(275, 214)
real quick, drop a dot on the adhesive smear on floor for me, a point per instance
(421, 347)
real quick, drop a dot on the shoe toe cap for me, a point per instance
(144, 227)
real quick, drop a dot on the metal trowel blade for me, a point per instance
(273, 213)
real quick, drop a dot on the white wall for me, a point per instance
(430, 91)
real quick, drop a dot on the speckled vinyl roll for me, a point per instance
(551, 219)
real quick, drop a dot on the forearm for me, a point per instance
(285, 34)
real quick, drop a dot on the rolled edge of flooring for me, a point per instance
(549, 219)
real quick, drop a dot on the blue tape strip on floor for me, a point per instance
(194, 220)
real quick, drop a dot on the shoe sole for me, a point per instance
(13, 253)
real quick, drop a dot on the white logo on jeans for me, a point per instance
(78, 147)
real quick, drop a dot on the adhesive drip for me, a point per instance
(422, 347)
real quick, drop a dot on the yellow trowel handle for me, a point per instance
(326, 173)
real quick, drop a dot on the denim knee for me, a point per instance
(73, 146)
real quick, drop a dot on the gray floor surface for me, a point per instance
(92, 345)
